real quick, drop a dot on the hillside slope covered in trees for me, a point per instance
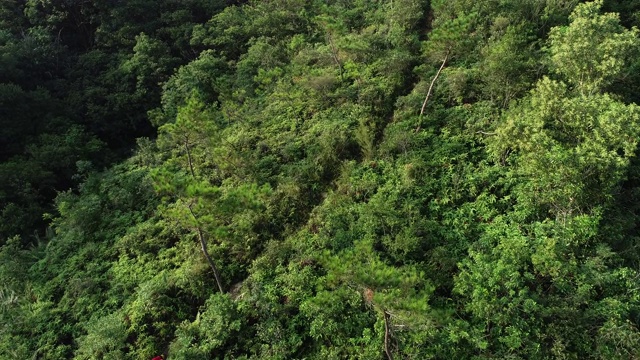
(349, 179)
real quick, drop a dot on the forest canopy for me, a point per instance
(349, 179)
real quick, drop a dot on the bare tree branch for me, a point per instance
(426, 99)
(486, 133)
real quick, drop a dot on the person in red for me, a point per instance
(157, 358)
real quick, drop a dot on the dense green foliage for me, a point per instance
(275, 179)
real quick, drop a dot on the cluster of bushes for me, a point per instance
(345, 179)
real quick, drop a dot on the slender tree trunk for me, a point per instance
(201, 235)
(334, 53)
(205, 251)
(387, 335)
(186, 146)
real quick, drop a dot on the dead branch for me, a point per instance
(486, 133)
(426, 99)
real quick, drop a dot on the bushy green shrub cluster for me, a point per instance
(329, 180)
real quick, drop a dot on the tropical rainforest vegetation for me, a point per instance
(344, 179)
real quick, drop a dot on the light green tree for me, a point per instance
(566, 149)
(594, 50)
(572, 126)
